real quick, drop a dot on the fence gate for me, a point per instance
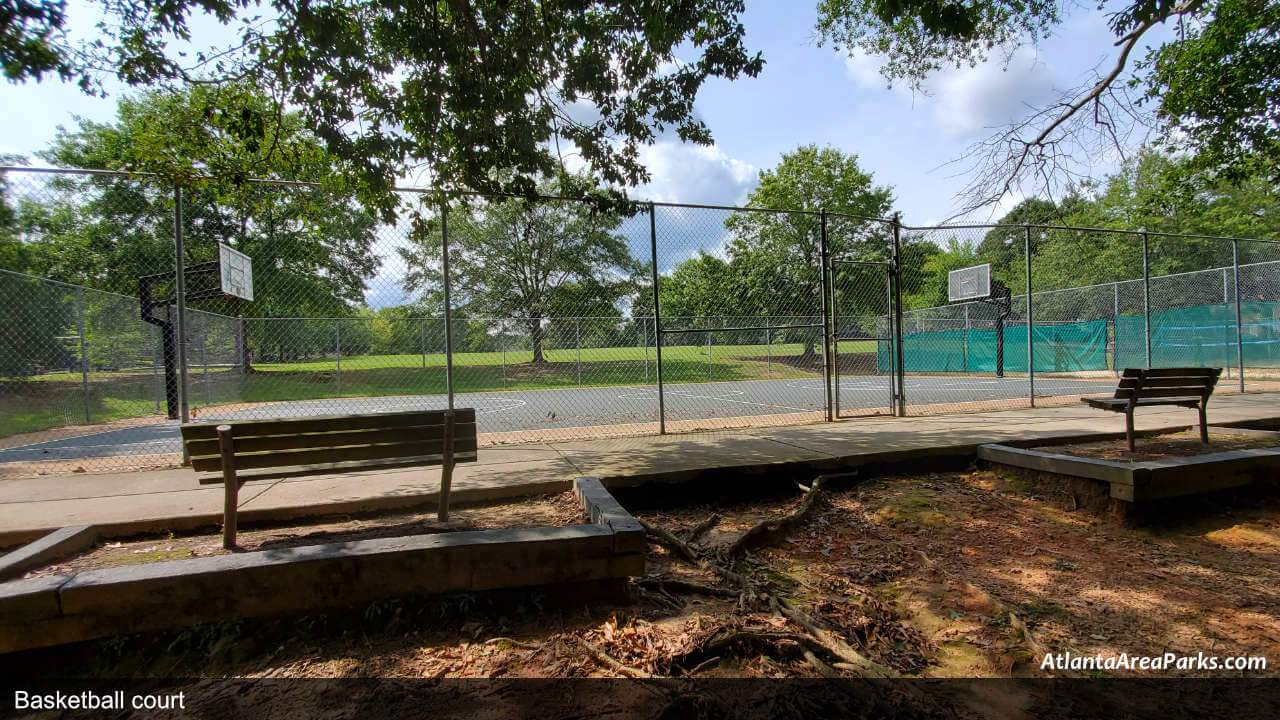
(864, 358)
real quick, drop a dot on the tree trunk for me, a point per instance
(535, 337)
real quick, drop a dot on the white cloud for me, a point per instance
(865, 69)
(970, 100)
(699, 174)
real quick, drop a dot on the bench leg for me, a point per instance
(230, 487)
(1128, 428)
(230, 501)
(1204, 427)
(446, 467)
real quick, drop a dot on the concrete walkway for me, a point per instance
(129, 503)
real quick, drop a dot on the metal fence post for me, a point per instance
(448, 309)
(180, 280)
(708, 356)
(1235, 269)
(84, 358)
(1146, 296)
(644, 330)
(1031, 357)
(825, 288)
(242, 350)
(1115, 332)
(768, 348)
(156, 360)
(423, 343)
(577, 341)
(897, 313)
(204, 362)
(657, 318)
(502, 339)
(1226, 298)
(835, 340)
(337, 348)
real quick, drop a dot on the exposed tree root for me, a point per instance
(672, 543)
(823, 669)
(686, 586)
(758, 533)
(513, 642)
(614, 665)
(832, 643)
(701, 528)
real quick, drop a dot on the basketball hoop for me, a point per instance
(971, 283)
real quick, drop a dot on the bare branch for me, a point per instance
(1055, 146)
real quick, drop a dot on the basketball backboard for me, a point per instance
(971, 283)
(237, 272)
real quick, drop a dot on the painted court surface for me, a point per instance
(502, 412)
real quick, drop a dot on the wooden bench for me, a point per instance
(1183, 387)
(333, 443)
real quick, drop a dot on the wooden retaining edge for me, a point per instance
(57, 544)
(1153, 480)
(97, 603)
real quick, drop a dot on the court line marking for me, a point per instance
(689, 396)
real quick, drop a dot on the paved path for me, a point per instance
(498, 412)
(171, 499)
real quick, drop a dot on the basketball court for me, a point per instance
(590, 407)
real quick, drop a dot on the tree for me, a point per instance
(524, 260)
(702, 286)
(777, 255)
(485, 94)
(1214, 88)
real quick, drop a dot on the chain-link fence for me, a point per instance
(559, 320)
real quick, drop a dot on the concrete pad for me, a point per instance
(40, 518)
(676, 453)
(94, 485)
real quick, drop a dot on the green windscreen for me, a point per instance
(1201, 336)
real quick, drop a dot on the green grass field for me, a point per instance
(57, 399)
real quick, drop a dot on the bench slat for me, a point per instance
(346, 467)
(1126, 393)
(277, 458)
(1119, 405)
(328, 440)
(1200, 382)
(1165, 372)
(326, 423)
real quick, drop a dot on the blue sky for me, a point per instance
(806, 94)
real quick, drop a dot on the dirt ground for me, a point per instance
(966, 574)
(1158, 447)
(548, 510)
